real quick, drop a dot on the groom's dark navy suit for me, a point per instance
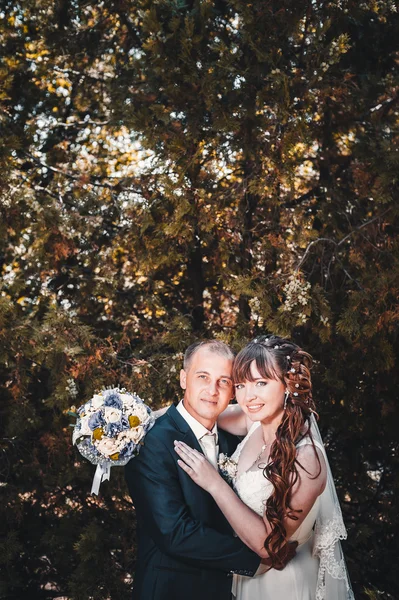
(186, 548)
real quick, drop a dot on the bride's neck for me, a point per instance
(269, 429)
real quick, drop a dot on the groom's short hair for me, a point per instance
(215, 346)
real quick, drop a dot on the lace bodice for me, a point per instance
(254, 489)
(323, 527)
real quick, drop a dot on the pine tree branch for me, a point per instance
(339, 243)
(376, 218)
(307, 196)
(94, 180)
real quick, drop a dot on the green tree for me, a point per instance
(172, 170)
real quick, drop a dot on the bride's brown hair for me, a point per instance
(281, 359)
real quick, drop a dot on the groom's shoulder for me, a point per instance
(157, 444)
(163, 428)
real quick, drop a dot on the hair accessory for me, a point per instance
(255, 340)
(288, 357)
(292, 370)
(276, 347)
(295, 393)
(297, 385)
(286, 395)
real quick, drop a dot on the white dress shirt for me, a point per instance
(208, 440)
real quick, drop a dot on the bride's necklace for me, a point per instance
(259, 455)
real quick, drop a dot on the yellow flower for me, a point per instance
(114, 456)
(98, 433)
(134, 421)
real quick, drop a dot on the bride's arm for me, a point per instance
(312, 478)
(160, 411)
(234, 420)
(250, 527)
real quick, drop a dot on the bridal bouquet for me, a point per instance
(109, 430)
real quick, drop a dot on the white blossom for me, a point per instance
(71, 388)
(135, 434)
(140, 411)
(107, 446)
(297, 294)
(112, 415)
(97, 401)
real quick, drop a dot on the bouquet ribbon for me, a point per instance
(102, 473)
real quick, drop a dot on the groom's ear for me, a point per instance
(183, 379)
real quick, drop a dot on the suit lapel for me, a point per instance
(190, 439)
(188, 436)
(223, 444)
(200, 502)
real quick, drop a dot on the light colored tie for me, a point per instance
(211, 450)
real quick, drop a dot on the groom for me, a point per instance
(186, 548)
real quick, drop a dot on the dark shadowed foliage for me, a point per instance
(174, 169)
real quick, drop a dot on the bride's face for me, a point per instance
(260, 398)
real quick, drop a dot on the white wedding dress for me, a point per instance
(304, 578)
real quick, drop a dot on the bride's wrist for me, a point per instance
(217, 486)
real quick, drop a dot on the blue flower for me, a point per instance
(112, 399)
(128, 450)
(124, 423)
(112, 429)
(96, 420)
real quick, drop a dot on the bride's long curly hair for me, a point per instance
(281, 359)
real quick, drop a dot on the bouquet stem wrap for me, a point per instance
(103, 473)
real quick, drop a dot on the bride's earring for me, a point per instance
(286, 396)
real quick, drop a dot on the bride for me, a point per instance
(282, 485)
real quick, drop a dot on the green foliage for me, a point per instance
(181, 169)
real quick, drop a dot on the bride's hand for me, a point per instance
(197, 467)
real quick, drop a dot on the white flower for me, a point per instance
(71, 388)
(127, 400)
(121, 440)
(135, 434)
(97, 401)
(112, 415)
(84, 426)
(296, 294)
(107, 446)
(140, 411)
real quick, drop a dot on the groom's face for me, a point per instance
(207, 385)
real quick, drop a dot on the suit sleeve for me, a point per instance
(154, 485)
